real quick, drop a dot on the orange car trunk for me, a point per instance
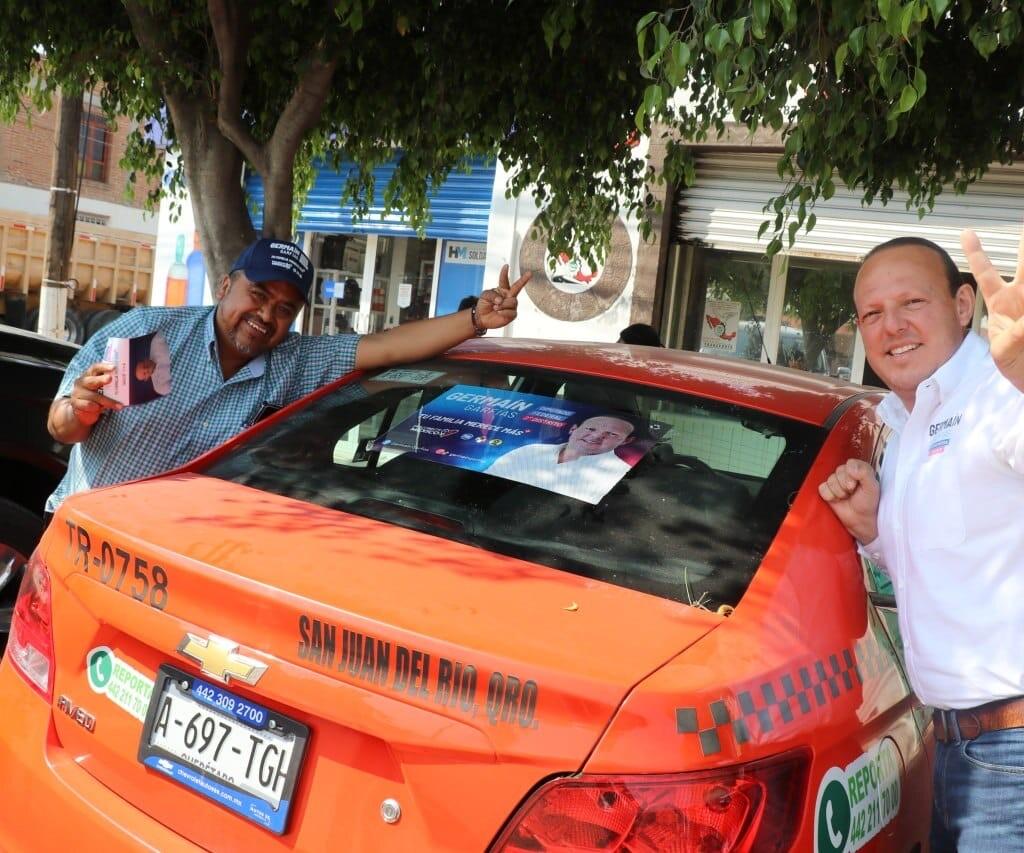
(437, 675)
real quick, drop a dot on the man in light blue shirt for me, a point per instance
(229, 364)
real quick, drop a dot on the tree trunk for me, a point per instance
(212, 163)
(278, 191)
(53, 296)
(214, 169)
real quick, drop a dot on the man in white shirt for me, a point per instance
(585, 467)
(945, 521)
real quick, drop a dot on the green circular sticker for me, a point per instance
(100, 668)
(833, 818)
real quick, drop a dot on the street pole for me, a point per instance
(53, 295)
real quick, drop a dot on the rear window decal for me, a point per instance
(501, 697)
(120, 682)
(573, 449)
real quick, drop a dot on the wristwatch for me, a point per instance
(478, 330)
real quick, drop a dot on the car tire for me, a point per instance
(74, 326)
(19, 532)
(98, 319)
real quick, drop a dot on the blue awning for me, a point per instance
(459, 208)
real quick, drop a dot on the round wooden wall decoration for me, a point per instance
(573, 292)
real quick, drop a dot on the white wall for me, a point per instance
(507, 228)
(166, 239)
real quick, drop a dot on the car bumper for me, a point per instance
(50, 802)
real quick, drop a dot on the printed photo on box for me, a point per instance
(142, 368)
(570, 448)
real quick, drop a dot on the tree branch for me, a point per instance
(230, 31)
(303, 110)
(152, 37)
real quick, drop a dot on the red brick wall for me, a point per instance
(27, 151)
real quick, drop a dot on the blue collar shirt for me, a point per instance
(203, 408)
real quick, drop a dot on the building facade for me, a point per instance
(378, 272)
(719, 293)
(703, 280)
(112, 258)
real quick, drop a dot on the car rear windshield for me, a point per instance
(662, 492)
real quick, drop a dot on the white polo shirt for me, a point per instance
(586, 478)
(951, 530)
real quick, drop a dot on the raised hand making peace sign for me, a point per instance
(497, 307)
(1005, 302)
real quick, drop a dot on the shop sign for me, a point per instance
(468, 254)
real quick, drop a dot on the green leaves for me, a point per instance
(677, 63)
(761, 10)
(654, 100)
(856, 40)
(841, 53)
(908, 97)
(717, 38)
(911, 93)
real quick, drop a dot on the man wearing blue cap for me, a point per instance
(230, 365)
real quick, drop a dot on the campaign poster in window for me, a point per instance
(721, 326)
(574, 449)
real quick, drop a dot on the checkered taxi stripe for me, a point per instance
(772, 704)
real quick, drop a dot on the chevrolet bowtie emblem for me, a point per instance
(218, 657)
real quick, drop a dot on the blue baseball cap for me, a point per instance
(276, 260)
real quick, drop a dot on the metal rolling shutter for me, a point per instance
(723, 209)
(459, 208)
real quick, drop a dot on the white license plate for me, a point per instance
(223, 746)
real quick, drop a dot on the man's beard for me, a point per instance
(239, 345)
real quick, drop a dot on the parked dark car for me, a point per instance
(31, 462)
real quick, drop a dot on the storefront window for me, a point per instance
(338, 284)
(730, 297)
(417, 281)
(817, 332)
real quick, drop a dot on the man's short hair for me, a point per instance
(954, 278)
(641, 334)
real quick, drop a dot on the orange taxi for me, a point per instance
(525, 597)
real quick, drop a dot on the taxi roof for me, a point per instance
(794, 394)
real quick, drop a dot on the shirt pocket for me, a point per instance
(940, 504)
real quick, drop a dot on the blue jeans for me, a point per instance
(978, 804)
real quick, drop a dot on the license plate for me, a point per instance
(224, 747)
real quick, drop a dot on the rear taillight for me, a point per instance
(30, 645)
(750, 807)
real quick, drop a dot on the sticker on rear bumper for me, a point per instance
(854, 803)
(121, 683)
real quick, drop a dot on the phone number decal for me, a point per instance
(117, 567)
